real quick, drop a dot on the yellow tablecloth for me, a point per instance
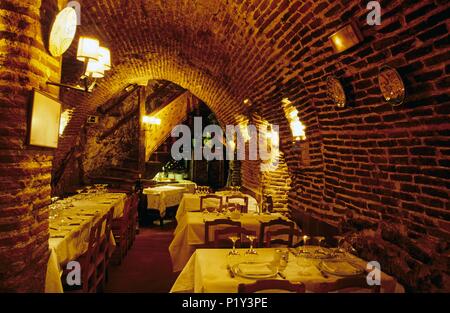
(206, 272)
(190, 232)
(162, 197)
(191, 202)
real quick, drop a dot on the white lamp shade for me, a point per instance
(298, 129)
(105, 58)
(95, 69)
(88, 49)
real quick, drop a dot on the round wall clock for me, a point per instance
(336, 92)
(63, 32)
(391, 85)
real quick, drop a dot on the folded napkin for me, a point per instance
(255, 269)
(340, 267)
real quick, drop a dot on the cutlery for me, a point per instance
(324, 275)
(57, 236)
(281, 275)
(230, 271)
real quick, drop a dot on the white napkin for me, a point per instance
(340, 267)
(254, 269)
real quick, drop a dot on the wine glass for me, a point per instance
(339, 250)
(251, 253)
(234, 238)
(320, 240)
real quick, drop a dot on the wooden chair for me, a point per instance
(106, 248)
(283, 227)
(133, 219)
(206, 197)
(221, 236)
(103, 242)
(217, 223)
(244, 207)
(88, 263)
(120, 231)
(269, 285)
(353, 284)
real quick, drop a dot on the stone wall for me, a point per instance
(25, 171)
(102, 153)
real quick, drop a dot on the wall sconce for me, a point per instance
(345, 38)
(298, 130)
(151, 120)
(297, 127)
(96, 61)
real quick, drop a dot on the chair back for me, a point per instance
(244, 207)
(353, 284)
(217, 223)
(277, 226)
(209, 197)
(272, 285)
(221, 239)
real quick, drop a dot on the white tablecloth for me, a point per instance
(162, 197)
(69, 241)
(190, 232)
(206, 272)
(191, 202)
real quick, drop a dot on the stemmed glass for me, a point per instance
(320, 240)
(340, 245)
(234, 238)
(251, 252)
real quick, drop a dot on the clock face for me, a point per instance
(63, 31)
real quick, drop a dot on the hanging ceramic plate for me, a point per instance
(336, 91)
(391, 85)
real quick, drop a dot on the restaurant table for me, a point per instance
(162, 197)
(189, 185)
(70, 240)
(191, 202)
(190, 233)
(207, 272)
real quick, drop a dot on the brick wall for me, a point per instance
(24, 170)
(374, 169)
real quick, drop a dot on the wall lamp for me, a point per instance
(96, 61)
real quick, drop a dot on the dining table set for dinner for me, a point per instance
(70, 223)
(318, 268)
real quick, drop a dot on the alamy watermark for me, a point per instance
(209, 142)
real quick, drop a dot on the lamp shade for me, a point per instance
(95, 69)
(298, 130)
(105, 58)
(88, 49)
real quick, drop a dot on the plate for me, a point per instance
(391, 85)
(341, 268)
(259, 267)
(336, 92)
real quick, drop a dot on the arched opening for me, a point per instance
(352, 162)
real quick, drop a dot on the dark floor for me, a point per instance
(147, 266)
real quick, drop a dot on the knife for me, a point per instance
(230, 271)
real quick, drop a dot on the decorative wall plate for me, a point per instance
(63, 31)
(391, 85)
(336, 92)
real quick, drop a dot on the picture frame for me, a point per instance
(44, 120)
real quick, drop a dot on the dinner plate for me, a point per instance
(263, 270)
(341, 268)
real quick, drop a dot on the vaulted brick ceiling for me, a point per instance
(222, 51)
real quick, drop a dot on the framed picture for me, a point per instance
(44, 121)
